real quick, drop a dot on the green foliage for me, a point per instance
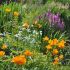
(63, 1)
(7, 20)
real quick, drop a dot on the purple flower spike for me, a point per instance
(55, 18)
(49, 14)
(61, 25)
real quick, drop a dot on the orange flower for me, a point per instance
(55, 41)
(26, 25)
(16, 14)
(19, 59)
(2, 53)
(61, 44)
(49, 47)
(55, 51)
(51, 42)
(56, 59)
(28, 53)
(45, 38)
(61, 57)
(4, 46)
(7, 10)
(55, 62)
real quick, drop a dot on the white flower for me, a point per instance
(23, 29)
(35, 32)
(28, 30)
(16, 35)
(40, 32)
(32, 25)
(20, 32)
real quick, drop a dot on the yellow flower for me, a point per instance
(39, 25)
(61, 44)
(61, 57)
(28, 53)
(56, 59)
(16, 14)
(26, 25)
(19, 59)
(35, 22)
(4, 46)
(49, 47)
(8, 10)
(51, 42)
(45, 38)
(55, 51)
(2, 53)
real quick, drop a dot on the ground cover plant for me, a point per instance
(34, 35)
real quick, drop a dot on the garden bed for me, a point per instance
(34, 35)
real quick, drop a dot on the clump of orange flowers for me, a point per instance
(27, 53)
(55, 46)
(55, 51)
(2, 53)
(8, 10)
(19, 59)
(57, 59)
(53, 42)
(61, 44)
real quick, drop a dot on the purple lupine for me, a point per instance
(61, 25)
(54, 19)
(49, 16)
